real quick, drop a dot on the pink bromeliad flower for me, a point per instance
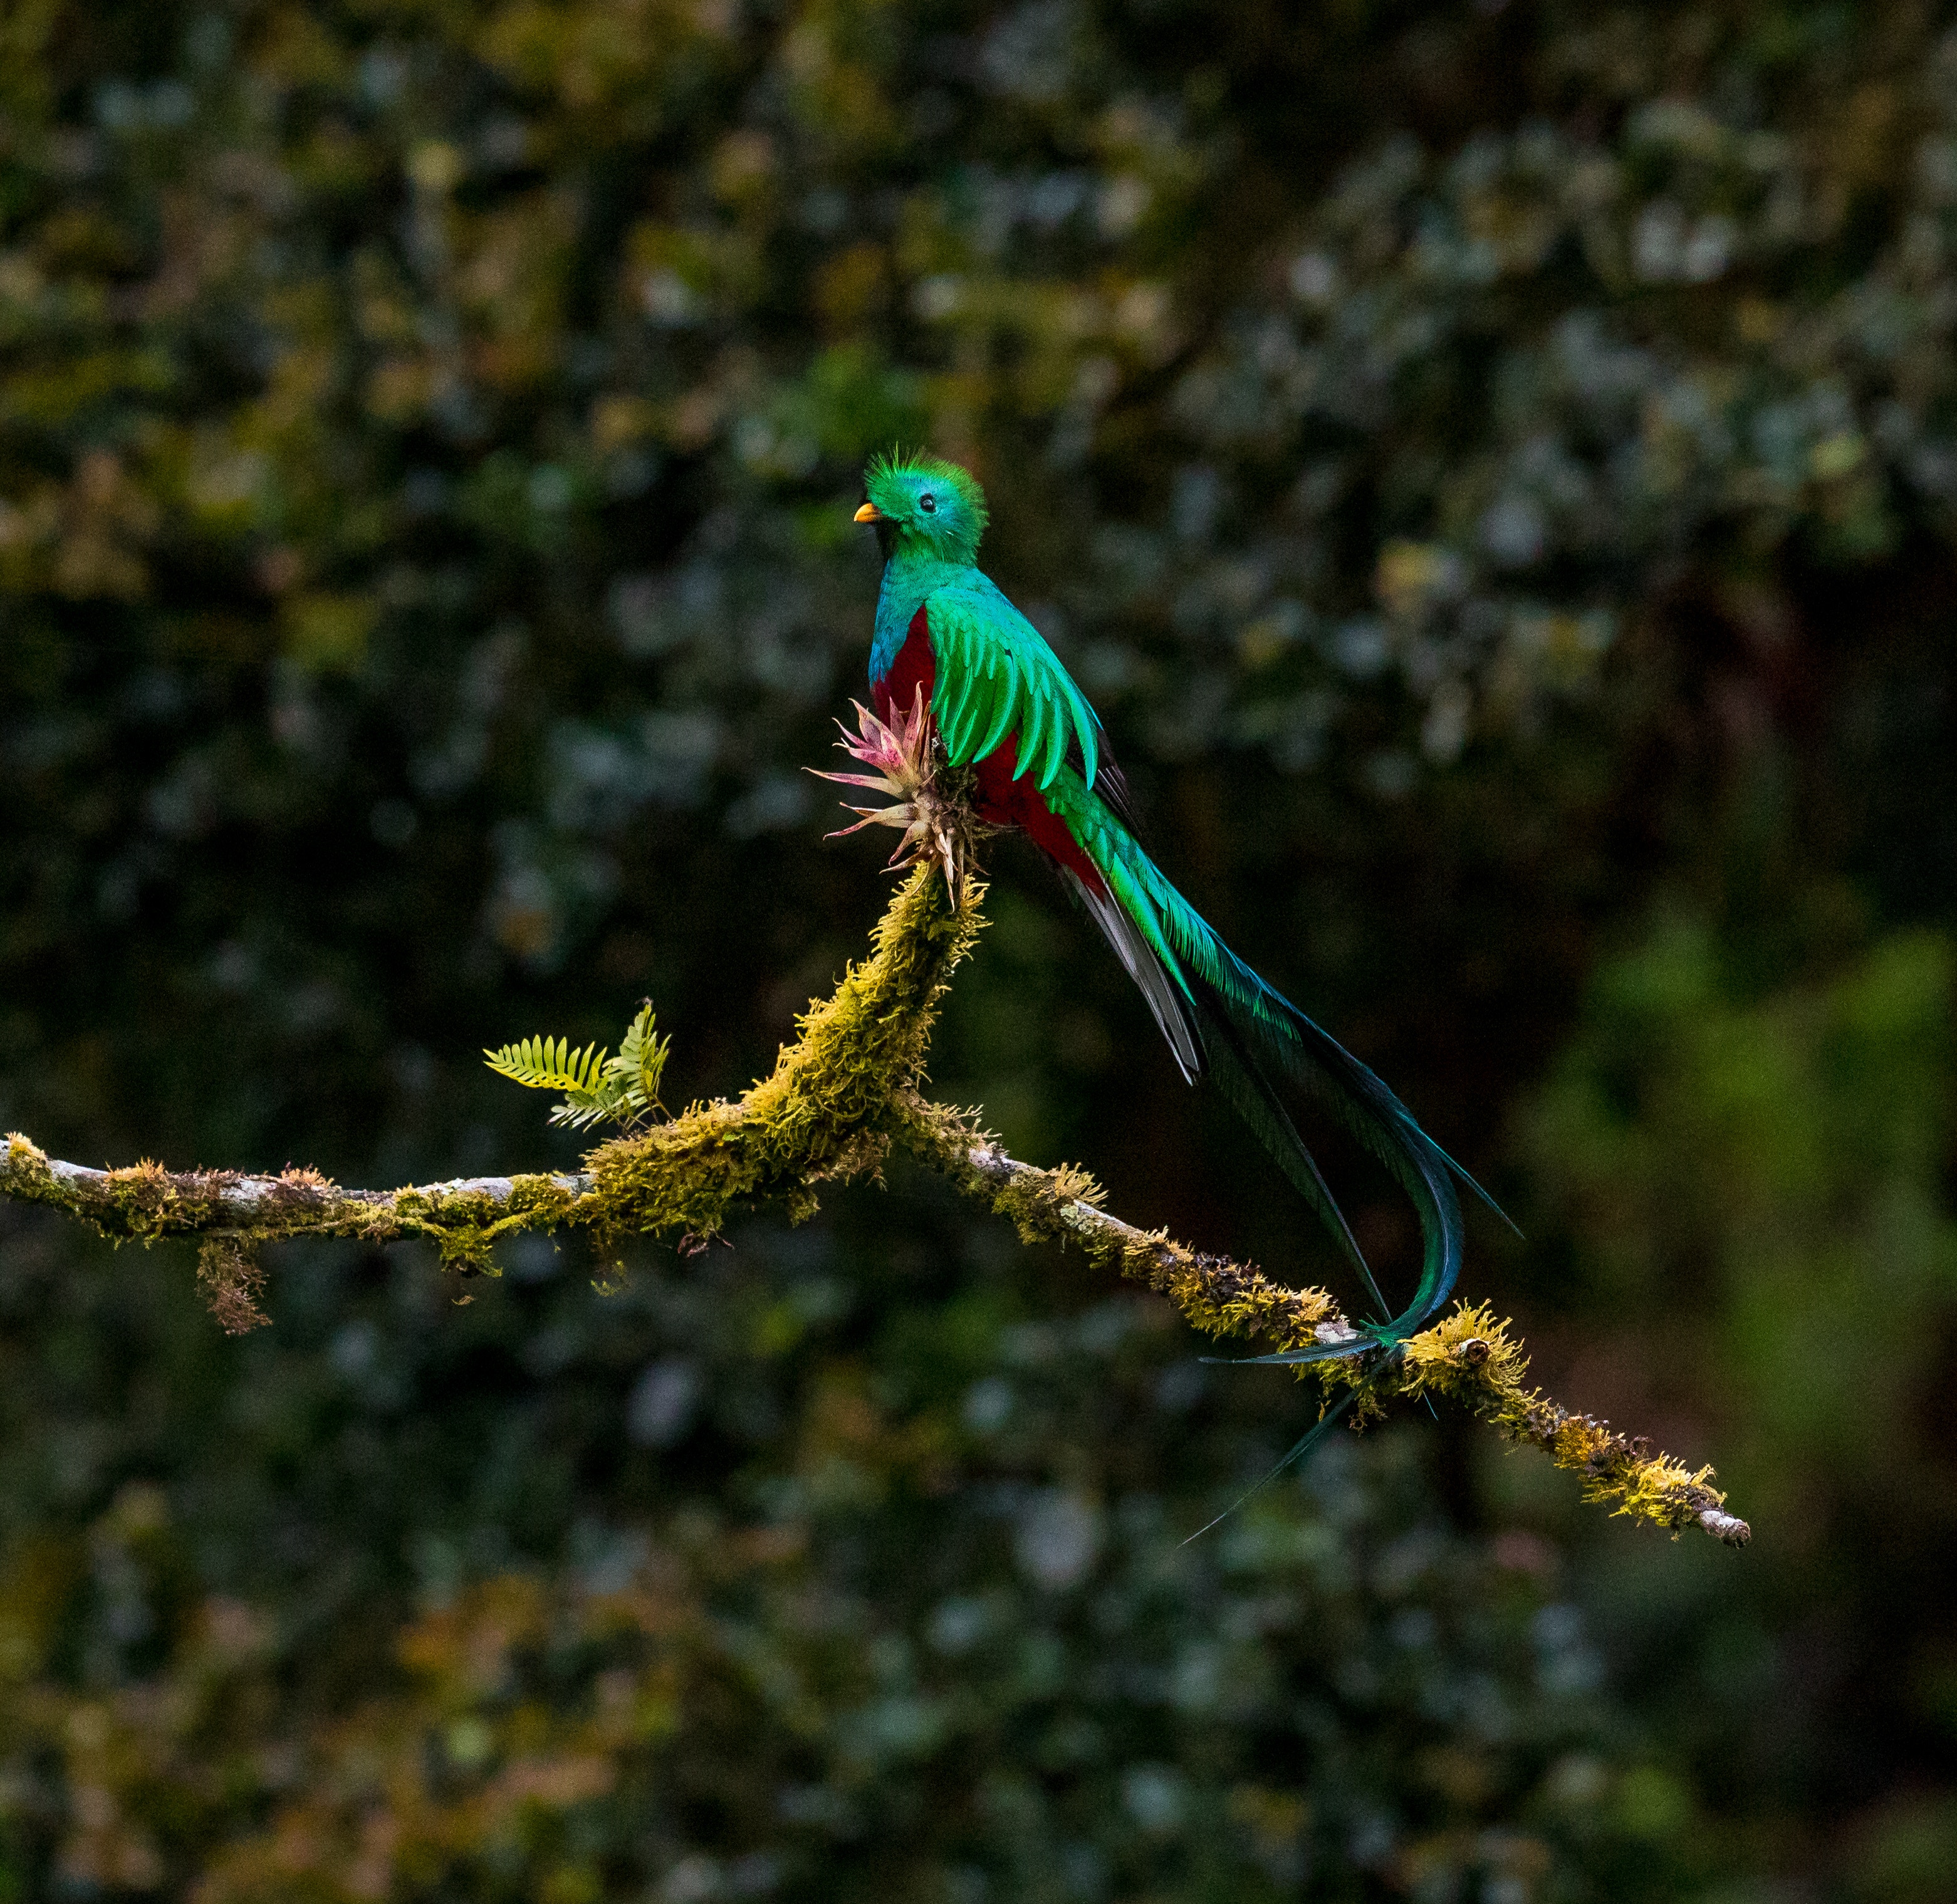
(907, 762)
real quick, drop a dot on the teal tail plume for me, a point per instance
(1211, 1005)
(1301, 1448)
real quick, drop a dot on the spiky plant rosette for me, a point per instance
(927, 804)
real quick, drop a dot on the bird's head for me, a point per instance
(919, 503)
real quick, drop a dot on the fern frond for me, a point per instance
(641, 1062)
(595, 1085)
(549, 1065)
(603, 1100)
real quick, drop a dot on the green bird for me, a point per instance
(948, 640)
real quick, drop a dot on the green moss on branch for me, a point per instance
(839, 1098)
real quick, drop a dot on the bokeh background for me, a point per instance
(1493, 465)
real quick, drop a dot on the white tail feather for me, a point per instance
(1171, 1009)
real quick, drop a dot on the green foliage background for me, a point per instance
(1495, 468)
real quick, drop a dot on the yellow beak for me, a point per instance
(869, 513)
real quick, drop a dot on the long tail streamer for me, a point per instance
(1205, 997)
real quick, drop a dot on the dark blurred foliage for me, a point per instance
(1495, 467)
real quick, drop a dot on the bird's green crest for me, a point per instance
(927, 504)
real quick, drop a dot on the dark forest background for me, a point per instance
(1494, 467)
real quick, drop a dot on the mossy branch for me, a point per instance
(837, 1101)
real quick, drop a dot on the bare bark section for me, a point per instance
(838, 1100)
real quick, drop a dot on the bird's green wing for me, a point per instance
(997, 677)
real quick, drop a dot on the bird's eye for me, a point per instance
(927, 503)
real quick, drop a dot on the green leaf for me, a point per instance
(642, 1057)
(596, 1085)
(548, 1065)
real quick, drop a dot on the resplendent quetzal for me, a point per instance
(1006, 708)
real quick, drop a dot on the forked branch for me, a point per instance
(839, 1099)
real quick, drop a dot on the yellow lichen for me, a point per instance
(24, 1155)
(838, 1098)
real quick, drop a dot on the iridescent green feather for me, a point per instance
(899, 464)
(1274, 1028)
(997, 677)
